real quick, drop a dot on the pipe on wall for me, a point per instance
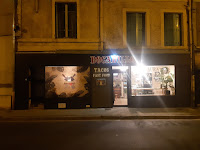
(101, 18)
(36, 6)
(192, 54)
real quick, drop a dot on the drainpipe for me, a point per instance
(101, 16)
(192, 54)
(15, 3)
(36, 6)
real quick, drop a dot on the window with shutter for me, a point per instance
(136, 29)
(66, 20)
(172, 29)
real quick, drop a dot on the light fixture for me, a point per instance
(115, 74)
(114, 56)
(140, 69)
(123, 68)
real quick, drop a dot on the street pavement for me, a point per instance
(100, 113)
(145, 134)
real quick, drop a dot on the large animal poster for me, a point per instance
(66, 81)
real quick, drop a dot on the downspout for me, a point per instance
(101, 16)
(15, 29)
(192, 54)
(36, 6)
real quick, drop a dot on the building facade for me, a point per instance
(7, 54)
(105, 53)
(196, 35)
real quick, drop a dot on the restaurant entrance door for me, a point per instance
(120, 87)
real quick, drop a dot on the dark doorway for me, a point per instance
(197, 87)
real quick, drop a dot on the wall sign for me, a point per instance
(101, 81)
(101, 72)
(112, 59)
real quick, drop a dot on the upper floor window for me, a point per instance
(66, 20)
(135, 29)
(173, 29)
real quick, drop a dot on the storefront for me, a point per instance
(197, 87)
(102, 80)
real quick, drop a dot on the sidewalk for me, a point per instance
(100, 114)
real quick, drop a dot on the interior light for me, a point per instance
(115, 74)
(141, 69)
(123, 68)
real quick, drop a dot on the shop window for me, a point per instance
(173, 29)
(152, 80)
(66, 20)
(135, 29)
(66, 81)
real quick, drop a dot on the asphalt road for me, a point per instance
(101, 135)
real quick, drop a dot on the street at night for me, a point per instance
(98, 135)
(99, 75)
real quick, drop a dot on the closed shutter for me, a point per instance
(136, 29)
(66, 20)
(176, 30)
(139, 29)
(60, 20)
(72, 20)
(172, 29)
(131, 29)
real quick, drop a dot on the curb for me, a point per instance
(94, 118)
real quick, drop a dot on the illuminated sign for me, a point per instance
(112, 59)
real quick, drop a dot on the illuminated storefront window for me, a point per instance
(152, 80)
(66, 81)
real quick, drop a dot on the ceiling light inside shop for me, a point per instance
(121, 68)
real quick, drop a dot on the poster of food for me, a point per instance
(66, 81)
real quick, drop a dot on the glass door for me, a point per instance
(120, 88)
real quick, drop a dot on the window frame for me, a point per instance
(183, 30)
(54, 20)
(147, 25)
